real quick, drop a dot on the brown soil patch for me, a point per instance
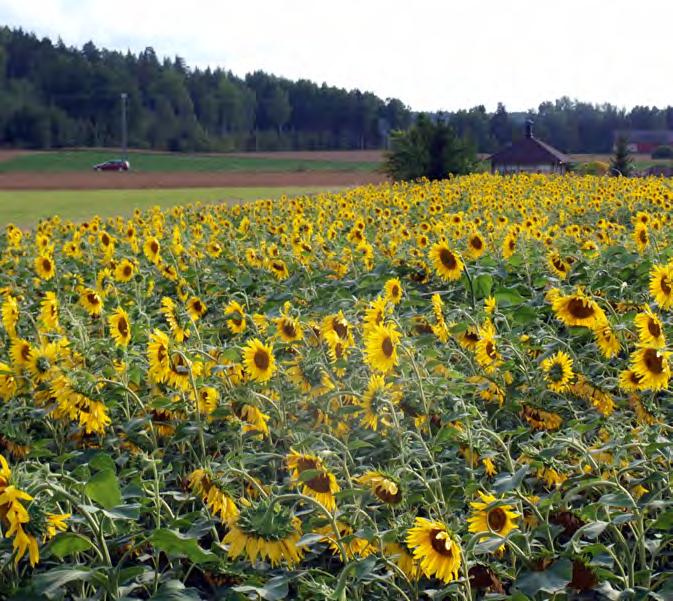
(113, 180)
(347, 156)
(6, 155)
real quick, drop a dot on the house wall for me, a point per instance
(541, 168)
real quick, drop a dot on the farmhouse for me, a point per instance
(529, 155)
(645, 141)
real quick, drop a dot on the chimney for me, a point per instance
(529, 128)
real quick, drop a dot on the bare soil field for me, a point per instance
(6, 155)
(354, 156)
(126, 181)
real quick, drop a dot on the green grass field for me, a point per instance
(83, 160)
(26, 207)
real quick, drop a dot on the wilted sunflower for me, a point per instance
(403, 559)
(650, 329)
(320, 482)
(236, 322)
(490, 518)
(558, 371)
(91, 301)
(196, 308)
(661, 285)
(435, 548)
(380, 347)
(270, 533)
(218, 501)
(258, 359)
(579, 310)
(120, 327)
(44, 267)
(446, 262)
(393, 291)
(541, 419)
(651, 364)
(383, 486)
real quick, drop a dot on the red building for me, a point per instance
(645, 141)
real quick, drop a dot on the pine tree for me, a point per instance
(621, 163)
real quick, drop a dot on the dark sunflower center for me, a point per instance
(198, 307)
(319, 483)
(154, 247)
(556, 372)
(665, 285)
(653, 361)
(386, 496)
(654, 328)
(92, 298)
(476, 243)
(471, 336)
(42, 364)
(560, 265)
(387, 346)
(635, 378)
(439, 544)
(25, 352)
(490, 350)
(447, 258)
(288, 329)
(46, 264)
(579, 309)
(237, 319)
(395, 291)
(127, 271)
(643, 236)
(340, 328)
(123, 326)
(261, 359)
(497, 518)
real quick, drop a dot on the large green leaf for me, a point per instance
(68, 543)
(176, 544)
(552, 580)
(103, 488)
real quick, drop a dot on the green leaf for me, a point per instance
(594, 529)
(506, 482)
(508, 296)
(174, 543)
(54, 580)
(103, 488)
(69, 543)
(617, 499)
(174, 590)
(483, 285)
(664, 521)
(102, 461)
(552, 580)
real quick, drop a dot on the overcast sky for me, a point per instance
(432, 54)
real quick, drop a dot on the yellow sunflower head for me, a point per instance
(435, 548)
(381, 347)
(258, 360)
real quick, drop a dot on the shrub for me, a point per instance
(663, 152)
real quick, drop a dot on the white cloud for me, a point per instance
(433, 54)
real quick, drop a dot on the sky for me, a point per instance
(431, 54)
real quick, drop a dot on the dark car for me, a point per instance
(113, 165)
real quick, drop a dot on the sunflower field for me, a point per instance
(447, 390)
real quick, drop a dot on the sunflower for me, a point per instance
(289, 329)
(8, 382)
(169, 311)
(468, 338)
(124, 270)
(435, 548)
(91, 301)
(399, 554)
(375, 409)
(651, 364)
(509, 244)
(607, 341)
(10, 314)
(446, 262)
(44, 267)
(392, 291)
(152, 248)
(218, 502)
(236, 322)
(578, 310)
(650, 329)
(20, 352)
(120, 328)
(540, 419)
(486, 351)
(558, 266)
(267, 531)
(319, 483)
(42, 362)
(49, 312)
(490, 305)
(253, 419)
(383, 486)
(641, 236)
(196, 308)
(558, 371)
(380, 347)
(258, 359)
(629, 380)
(352, 545)
(208, 399)
(499, 519)
(661, 285)
(476, 246)
(279, 269)
(158, 356)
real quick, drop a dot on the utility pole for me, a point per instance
(124, 96)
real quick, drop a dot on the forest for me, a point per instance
(54, 96)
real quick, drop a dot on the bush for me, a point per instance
(593, 168)
(428, 150)
(663, 152)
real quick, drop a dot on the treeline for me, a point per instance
(54, 96)
(569, 125)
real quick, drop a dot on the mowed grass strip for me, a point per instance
(26, 207)
(84, 160)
